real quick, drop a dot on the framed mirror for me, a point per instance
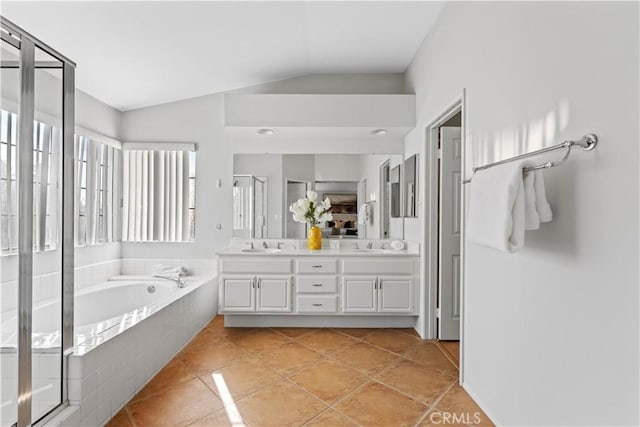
(411, 186)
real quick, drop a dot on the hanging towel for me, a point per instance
(542, 205)
(363, 214)
(497, 207)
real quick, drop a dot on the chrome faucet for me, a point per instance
(370, 245)
(355, 246)
(179, 281)
(280, 245)
(251, 244)
(265, 245)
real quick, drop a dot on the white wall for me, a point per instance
(551, 332)
(201, 120)
(337, 167)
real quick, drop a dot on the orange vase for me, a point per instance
(315, 238)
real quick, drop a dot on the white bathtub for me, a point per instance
(98, 310)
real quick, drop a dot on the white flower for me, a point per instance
(326, 204)
(312, 196)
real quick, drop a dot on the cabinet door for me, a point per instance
(395, 295)
(238, 294)
(274, 294)
(359, 295)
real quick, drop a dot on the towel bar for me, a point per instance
(587, 143)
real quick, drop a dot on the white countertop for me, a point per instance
(233, 251)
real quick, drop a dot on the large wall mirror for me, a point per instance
(363, 189)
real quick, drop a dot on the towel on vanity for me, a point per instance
(504, 204)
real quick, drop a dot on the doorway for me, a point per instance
(295, 190)
(444, 227)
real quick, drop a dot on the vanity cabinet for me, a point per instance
(377, 294)
(258, 293)
(348, 286)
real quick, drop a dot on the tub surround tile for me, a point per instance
(179, 405)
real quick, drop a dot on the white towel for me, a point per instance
(363, 214)
(542, 205)
(497, 207)
(169, 271)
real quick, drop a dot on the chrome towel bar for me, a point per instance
(587, 143)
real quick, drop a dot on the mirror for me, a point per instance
(359, 186)
(411, 186)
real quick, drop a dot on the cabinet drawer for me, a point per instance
(317, 266)
(378, 266)
(318, 284)
(317, 304)
(256, 265)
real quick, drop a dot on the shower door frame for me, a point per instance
(27, 44)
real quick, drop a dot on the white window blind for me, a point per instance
(97, 187)
(158, 194)
(47, 146)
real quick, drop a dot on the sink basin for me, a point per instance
(261, 251)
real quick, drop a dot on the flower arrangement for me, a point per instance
(310, 210)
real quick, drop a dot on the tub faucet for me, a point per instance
(179, 280)
(265, 245)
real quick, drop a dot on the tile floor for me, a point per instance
(313, 377)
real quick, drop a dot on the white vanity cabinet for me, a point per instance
(374, 285)
(347, 286)
(255, 285)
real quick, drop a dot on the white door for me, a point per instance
(295, 190)
(450, 215)
(273, 294)
(359, 295)
(395, 295)
(238, 294)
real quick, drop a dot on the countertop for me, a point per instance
(288, 252)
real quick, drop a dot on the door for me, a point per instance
(395, 295)
(359, 295)
(238, 294)
(295, 190)
(449, 231)
(273, 294)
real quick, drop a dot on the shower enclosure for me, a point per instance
(36, 233)
(249, 207)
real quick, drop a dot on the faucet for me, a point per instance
(280, 245)
(355, 246)
(250, 243)
(265, 245)
(370, 245)
(179, 281)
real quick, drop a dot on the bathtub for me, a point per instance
(125, 330)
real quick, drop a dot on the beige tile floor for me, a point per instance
(313, 377)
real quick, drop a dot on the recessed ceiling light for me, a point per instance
(379, 132)
(266, 131)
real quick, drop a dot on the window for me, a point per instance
(47, 146)
(159, 193)
(97, 192)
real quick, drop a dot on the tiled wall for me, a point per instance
(198, 267)
(102, 380)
